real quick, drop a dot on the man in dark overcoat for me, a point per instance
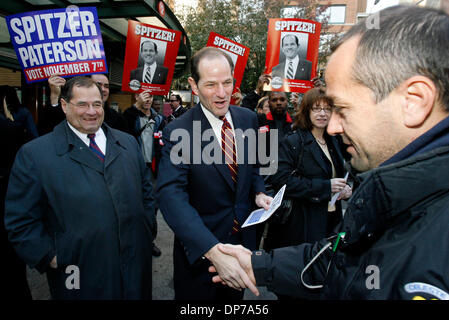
(79, 204)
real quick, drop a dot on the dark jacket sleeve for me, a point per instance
(280, 269)
(25, 208)
(298, 186)
(250, 101)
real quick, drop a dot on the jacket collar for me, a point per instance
(66, 141)
(288, 119)
(387, 192)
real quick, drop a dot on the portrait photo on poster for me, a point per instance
(293, 64)
(150, 67)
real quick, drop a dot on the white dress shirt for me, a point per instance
(100, 138)
(295, 61)
(216, 125)
(152, 70)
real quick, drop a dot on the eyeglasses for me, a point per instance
(173, 100)
(317, 109)
(85, 105)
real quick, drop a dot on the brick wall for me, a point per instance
(10, 77)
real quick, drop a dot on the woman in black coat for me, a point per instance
(319, 175)
(16, 128)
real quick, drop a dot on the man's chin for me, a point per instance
(359, 165)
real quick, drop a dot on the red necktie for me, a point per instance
(230, 156)
(94, 147)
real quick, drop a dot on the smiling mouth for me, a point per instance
(221, 102)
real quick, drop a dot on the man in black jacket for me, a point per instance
(391, 94)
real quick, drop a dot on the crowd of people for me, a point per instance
(80, 191)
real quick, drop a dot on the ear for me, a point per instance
(420, 96)
(64, 106)
(193, 85)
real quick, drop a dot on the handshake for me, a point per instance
(233, 265)
(233, 262)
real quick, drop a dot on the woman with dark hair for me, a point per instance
(12, 109)
(16, 128)
(312, 167)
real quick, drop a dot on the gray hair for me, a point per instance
(410, 41)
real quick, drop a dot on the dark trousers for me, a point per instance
(194, 282)
(14, 285)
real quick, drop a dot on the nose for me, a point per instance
(220, 91)
(322, 111)
(334, 126)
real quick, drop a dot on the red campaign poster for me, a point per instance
(149, 58)
(238, 53)
(292, 54)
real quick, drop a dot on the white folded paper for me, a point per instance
(261, 215)
(335, 196)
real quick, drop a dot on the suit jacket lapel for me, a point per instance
(69, 142)
(318, 154)
(337, 157)
(205, 125)
(113, 146)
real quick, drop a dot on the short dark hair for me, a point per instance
(410, 41)
(206, 52)
(302, 117)
(290, 35)
(178, 97)
(154, 43)
(84, 82)
(9, 94)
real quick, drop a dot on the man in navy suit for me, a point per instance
(293, 67)
(203, 200)
(150, 72)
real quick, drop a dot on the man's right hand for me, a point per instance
(229, 270)
(243, 256)
(263, 79)
(337, 185)
(55, 83)
(142, 98)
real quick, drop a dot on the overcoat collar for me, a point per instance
(66, 141)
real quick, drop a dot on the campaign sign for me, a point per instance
(150, 58)
(238, 53)
(64, 41)
(292, 54)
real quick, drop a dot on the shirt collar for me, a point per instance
(83, 136)
(294, 60)
(213, 120)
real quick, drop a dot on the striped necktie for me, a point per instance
(94, 147)
(230, 156)
(147, 78)
(290, 70)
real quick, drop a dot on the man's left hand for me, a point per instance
(263, 201)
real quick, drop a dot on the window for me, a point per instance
(291, 12)
(335, 14)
